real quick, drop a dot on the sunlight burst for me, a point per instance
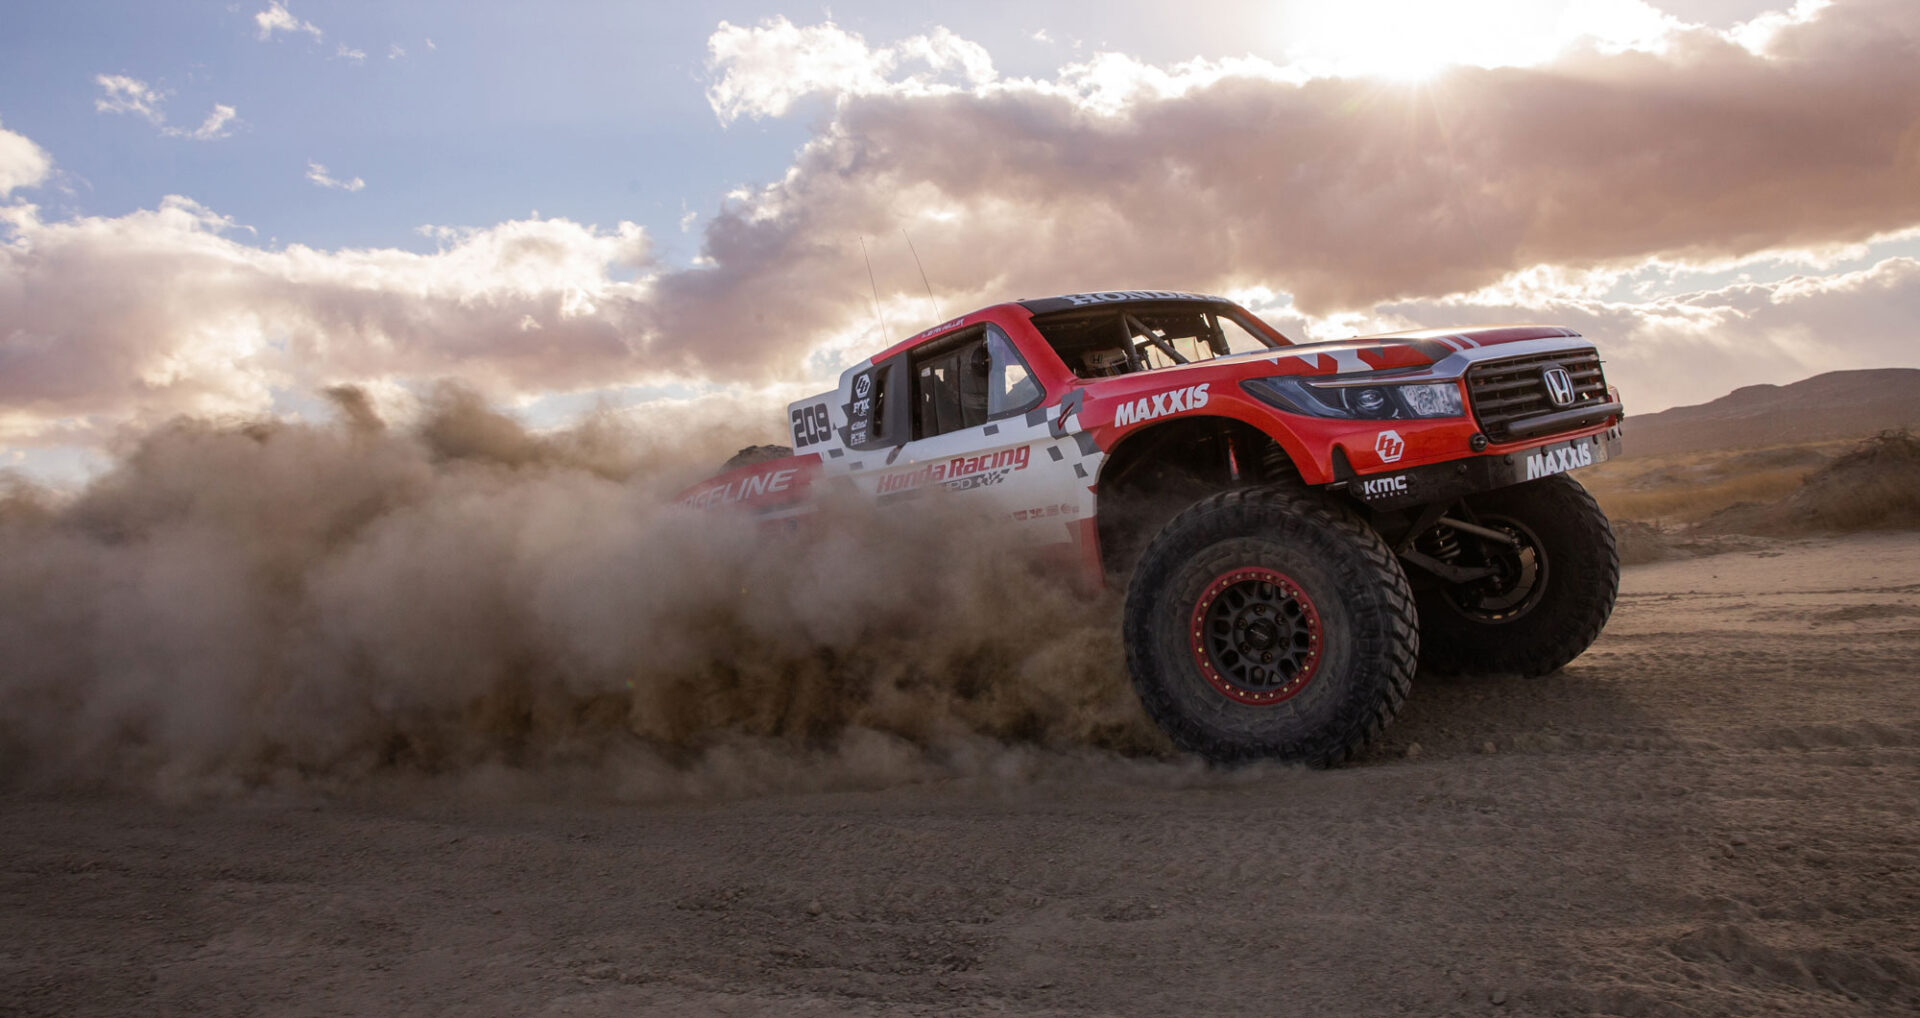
(1412, 40)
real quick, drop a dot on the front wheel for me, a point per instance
(1268, 622)
(1551, 573)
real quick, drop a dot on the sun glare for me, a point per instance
(1411, 40)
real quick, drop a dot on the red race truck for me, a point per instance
(1298, 525)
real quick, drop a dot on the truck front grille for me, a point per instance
(1508, 393)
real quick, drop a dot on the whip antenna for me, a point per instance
(884, 331)
(923, 276)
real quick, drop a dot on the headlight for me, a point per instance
(1439, 399)
(1384, 402)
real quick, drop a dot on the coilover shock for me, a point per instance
(1442, 542)
(1274, 463)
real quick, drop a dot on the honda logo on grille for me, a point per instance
(1559, 385)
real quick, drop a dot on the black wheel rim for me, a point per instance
(1255, 636)
(1518, 580)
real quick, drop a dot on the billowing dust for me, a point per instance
(236, 605)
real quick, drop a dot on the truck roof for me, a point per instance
(1104, 298)
(1038, 306)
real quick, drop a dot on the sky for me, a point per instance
(222, 209)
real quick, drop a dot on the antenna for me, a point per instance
(885, 333)
(923, 276)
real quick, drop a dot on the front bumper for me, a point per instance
(1445, 482)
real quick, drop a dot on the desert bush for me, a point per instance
(1874, 486)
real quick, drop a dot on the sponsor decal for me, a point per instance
(753, 486)
(1160, 404)
(1325, 362)
(942, 327)
(1558, 461)
(1559, 385)
(961, 473)
(1111, 296)
(1044, 511)
(1377, 487)
(859, 409)
(811, 425)
(1069, 407)
(1390, 446)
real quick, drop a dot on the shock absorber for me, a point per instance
(1274, 463)
(1443, 543)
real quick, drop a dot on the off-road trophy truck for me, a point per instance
(1297, 525)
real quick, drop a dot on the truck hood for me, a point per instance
(1417, 352)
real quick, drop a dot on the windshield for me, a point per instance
(1119, 340)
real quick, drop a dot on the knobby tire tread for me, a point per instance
(1453, 645)
(1280, 513)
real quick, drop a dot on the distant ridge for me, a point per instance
(1836, 405)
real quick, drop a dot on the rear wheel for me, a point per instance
(757, 454)
(1267, 622)
(1551, 574)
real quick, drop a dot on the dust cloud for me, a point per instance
(258, 604)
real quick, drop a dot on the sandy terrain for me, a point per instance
(1715, 811)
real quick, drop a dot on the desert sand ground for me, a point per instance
(1715, 811)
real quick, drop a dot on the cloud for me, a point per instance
(201, 322)
(276, 18)
(1343, 192)
(121, 94)
(1491, 193)
(318, 174)
(1660, 350)
(1758, 33)
(767, 68)
(1615, 26)
(215, 126)
(395, 51)
(22, 163)
(357, 56)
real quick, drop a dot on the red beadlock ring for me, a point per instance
(1283, 592)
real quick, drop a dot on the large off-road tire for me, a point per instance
(1270, 622)
(1550, 596)
(757, 454)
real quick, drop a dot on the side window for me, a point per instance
(966, 385)
(1011, 387)
(950, 387)
(939, 404)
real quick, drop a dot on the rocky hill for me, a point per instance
(1836, 405)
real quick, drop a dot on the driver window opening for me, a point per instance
(939, 404)
(964, 386)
